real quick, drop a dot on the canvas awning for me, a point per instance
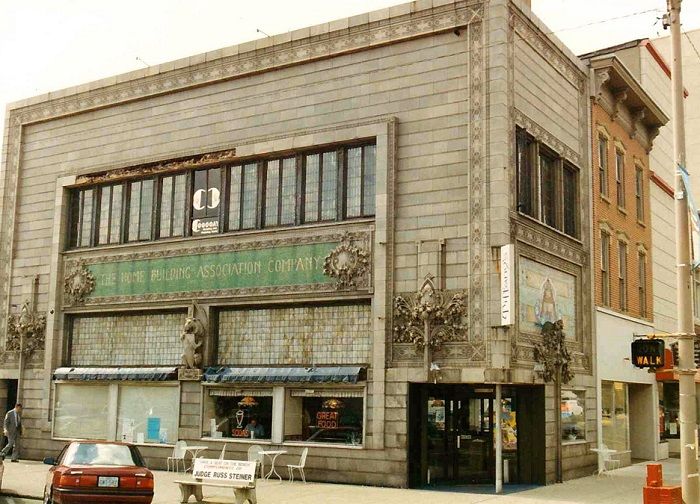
(118, 373)
(337, 374)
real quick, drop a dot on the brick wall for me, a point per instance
(605, 209)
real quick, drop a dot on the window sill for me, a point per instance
(641, 223)
(238, 440)
(323, 445)
(605, 198)
(550, 228)
(573, 442)
(150, 445)
(621, 210)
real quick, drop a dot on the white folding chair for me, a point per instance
(300, 466)
(610, 462)
(254, 455)
(177, 456)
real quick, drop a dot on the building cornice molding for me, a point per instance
(540, 134)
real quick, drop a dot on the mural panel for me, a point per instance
(546, 295)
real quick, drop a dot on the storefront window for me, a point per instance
(144, 413)
(573, 415)
(151, 412)
(241, 414)
(615, 415)
(324, 417)
(81, 411)
(668, 411)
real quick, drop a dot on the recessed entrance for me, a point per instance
(451, 440)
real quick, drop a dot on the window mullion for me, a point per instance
(300, 197)
(319, 195)
(341, 185)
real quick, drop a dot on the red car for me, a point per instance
(93, 472)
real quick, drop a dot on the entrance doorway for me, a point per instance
(451, 439)
(8, 398)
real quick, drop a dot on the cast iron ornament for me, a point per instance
(431, 310)
(79, 282)
(347, 263)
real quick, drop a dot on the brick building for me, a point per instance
(625, 120)
(250, 233)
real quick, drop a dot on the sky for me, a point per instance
(47, 45)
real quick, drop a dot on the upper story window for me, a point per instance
(605, 268)
(620, 177)
(639, 193)
(547, 185)
(642, 265)
(333, 184)
(622, 275)
(603, 165)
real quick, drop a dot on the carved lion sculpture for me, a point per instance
(192, 333)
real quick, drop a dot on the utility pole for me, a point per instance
(686, 365)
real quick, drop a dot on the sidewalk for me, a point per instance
(623, 487)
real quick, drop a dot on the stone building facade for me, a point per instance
(354, 233)
(624, 121)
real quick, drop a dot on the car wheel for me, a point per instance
(47, 497)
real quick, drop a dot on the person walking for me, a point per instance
(13, 430)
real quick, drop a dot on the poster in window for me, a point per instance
(206, 200)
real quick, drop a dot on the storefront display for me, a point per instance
(669, 410)
(573, 415)
(615, 416)
(238, 414)
(325, 417)
(142, 413)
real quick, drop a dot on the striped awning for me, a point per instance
(117, 373)
(335, 374)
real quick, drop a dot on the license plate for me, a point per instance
(108, 481)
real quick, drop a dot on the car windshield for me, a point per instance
(98, 454)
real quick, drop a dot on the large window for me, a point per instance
(605, 268)
(548, 190)
(319, 186)
(238, 414)
(669, 409)
(81, 411)
(615, 415)
(150, 411)
(573, 415)
(622, 274)
(547, 185)
(113, 411)
(140, 214)
(603, 165)
(110, 215)
(82, 218)
(173, 193)
(324, 416)
(620, 177)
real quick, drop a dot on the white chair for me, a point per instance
(178, 456)
(254, 455)
(300, 466)
(223, 452)
(609, 459)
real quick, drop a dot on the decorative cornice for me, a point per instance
(527, 233)
(201, 161)
(542, 135)
(602, 76)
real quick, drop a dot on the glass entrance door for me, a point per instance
(459, 436)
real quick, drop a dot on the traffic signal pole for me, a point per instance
(686, 331)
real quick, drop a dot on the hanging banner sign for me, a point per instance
(507, 270)
(648, 353)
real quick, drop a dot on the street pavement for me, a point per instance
(624, 486)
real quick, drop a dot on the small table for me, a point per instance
(194, 451)
(272, 455)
